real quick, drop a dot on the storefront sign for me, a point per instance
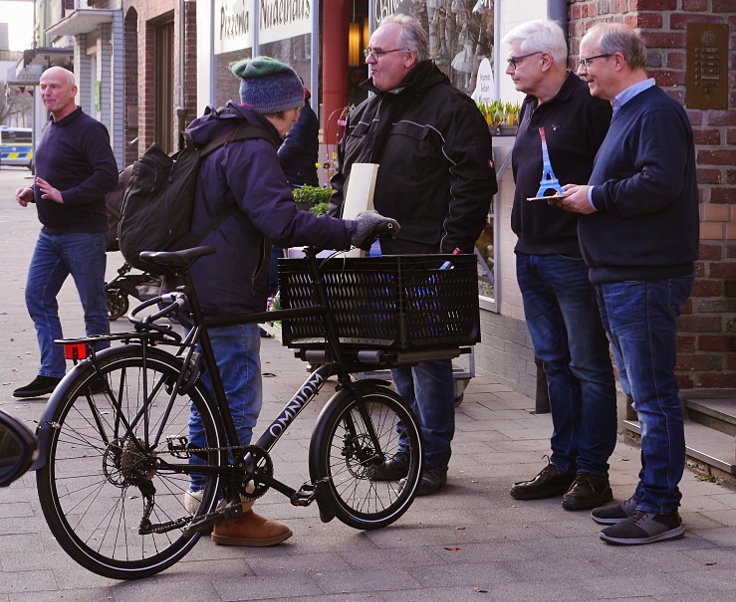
(483, 93)
(233, 27)
(384, 8)
(281, 19)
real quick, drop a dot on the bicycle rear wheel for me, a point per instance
(104, 475)
(343, 452)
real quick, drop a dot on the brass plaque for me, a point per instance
(707, 66)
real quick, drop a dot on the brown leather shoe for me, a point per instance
(587, 491)
(550, 482)
(251, 530)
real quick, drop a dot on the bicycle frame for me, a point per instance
(198, 335)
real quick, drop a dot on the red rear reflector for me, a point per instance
(76, 351)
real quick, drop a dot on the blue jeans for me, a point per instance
(429, 390)
(641, 321)
(237, 352)
(566, 331)
(54, 258)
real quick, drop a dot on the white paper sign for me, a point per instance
(281, 19)
(483, 92)
(233, 26)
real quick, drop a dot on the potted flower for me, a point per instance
(502, 117)
(312, 198)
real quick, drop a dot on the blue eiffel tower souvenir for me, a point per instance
(549, 179)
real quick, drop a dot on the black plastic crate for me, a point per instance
(392, 302)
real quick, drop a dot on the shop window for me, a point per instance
(163, 74)
(460, 34)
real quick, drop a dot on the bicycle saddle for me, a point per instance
(175, 259)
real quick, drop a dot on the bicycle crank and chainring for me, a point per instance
(257, 470)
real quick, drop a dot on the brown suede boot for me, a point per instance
(250, 530)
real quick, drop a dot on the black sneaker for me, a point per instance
(644, 527)
(392, 470)
(41, 385)
(614, 513)
(587, 491)
(433, 479)
(550, 482)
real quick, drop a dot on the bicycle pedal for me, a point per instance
(304, 496)
(179, 447)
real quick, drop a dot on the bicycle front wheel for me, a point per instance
(350, 439)
(109, 490)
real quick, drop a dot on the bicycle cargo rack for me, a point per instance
(396, 302)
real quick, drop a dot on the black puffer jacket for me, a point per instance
(436, 174)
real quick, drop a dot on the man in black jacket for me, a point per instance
(559, 303)
(436, 178)
(75, 167)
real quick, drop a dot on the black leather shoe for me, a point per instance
(433, 479)
(41, 385)
(392, 470)
(587, 491)
(550, 482)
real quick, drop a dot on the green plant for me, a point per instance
(320, 208)
(499, 112)
(312, 195)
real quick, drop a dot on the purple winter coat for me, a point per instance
(247, 173)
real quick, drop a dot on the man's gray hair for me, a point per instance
(412, 36)
(617, 37)
(540, 36)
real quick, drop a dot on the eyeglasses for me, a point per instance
(514, 60)
(377, 53)
(584, 61)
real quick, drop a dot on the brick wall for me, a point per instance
(148, 13)
(131, 85)
(707, 343)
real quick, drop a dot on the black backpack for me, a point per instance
(159, 199)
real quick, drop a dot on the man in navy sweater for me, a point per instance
(559, 302)
(639, 237)
(75, 167)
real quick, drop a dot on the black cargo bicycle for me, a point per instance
(115, 455)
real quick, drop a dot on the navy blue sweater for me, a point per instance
(75, 157)
(646, 226)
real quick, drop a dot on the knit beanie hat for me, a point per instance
(268, 85)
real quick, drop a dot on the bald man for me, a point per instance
(75, 167)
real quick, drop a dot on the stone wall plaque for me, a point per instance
(707, 66)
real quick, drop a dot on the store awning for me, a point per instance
(37, 60)
(81, 21)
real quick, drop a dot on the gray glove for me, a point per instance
(369, 225)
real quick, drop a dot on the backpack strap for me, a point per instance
(240, 132)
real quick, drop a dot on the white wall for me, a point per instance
(513, 13)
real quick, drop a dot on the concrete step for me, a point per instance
(718, 413)
(704, 444)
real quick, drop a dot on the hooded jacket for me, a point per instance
(436, 174)
(247, 173)
(299, 152)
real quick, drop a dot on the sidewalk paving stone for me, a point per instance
(470, 542)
